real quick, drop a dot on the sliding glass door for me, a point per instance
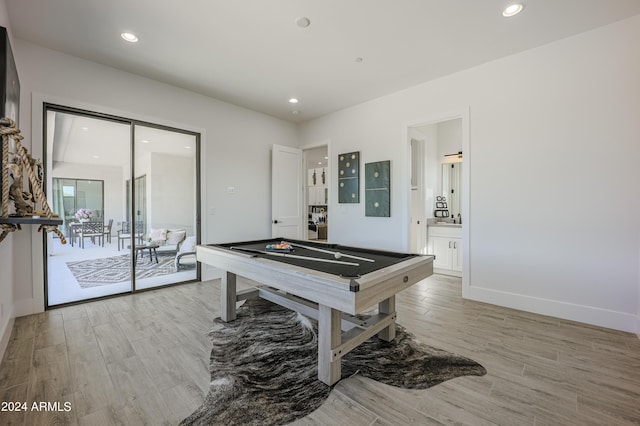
(127, 193)
(88, 158)
(165, 205)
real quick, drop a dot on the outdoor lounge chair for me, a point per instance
(187, 253)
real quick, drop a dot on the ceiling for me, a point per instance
(251, 52)
(96, 142)
(316, 157)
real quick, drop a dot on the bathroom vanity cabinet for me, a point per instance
(445, 242)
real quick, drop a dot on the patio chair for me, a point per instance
(72, 230)
(187, 253)
(92, 229)
(125, 233)
(107, 230)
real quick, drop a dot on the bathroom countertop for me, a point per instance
(445, 224)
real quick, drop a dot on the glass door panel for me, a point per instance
(88, 163)
(70, 195)
(165, 205)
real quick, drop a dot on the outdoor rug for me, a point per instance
(117, 269)
(264, 367)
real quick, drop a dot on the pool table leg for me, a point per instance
(228, 297)
(329, 337)
(388, 306)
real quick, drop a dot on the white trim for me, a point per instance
(320, 144)
(5, 334)
(37, 100)
(23, 307)
(324, 143)
(569, 311)
(462, 113)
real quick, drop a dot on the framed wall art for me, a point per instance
(349, 177)
(377, 189)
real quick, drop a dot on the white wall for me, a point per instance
(553, 169)
(236, 145)
(449, 137)
(6, 291)
(171, 184)
(7, 247)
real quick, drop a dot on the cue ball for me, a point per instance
(337, 255)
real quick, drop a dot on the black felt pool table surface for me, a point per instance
(382, 259)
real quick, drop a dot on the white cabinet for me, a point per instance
(445, 242)
(317, 195)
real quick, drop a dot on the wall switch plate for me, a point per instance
(231, 189)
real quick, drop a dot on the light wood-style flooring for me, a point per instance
(143, 359)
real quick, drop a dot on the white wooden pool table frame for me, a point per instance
(325, 297)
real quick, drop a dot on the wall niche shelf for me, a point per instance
(15, 163)
(20, 220)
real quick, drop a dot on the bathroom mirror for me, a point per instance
(452, 187)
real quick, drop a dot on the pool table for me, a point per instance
(315, 281)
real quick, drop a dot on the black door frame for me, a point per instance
(47, 106)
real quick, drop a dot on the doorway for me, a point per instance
(316, 162)
(123, 234)
(439, 192)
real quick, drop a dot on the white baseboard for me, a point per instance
(569, 311)
(447, 272)
(23, 307)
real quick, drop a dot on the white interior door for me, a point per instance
(286, 192)
(418, 224)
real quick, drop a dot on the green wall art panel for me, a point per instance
(349, 177)
(377, 185)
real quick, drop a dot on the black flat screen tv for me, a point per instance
(9, 85)
(9, 82)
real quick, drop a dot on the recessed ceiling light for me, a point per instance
(187, 147)
(144, 141)
(95, 156)
(84, 128)
(320, 163)
(303, 22)
(293, 101)
(512, 10)
(326, 158)
(130, 37)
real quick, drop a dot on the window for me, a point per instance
(70, 195)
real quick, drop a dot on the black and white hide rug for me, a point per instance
(264, 367)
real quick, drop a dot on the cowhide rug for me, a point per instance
(264, 367)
